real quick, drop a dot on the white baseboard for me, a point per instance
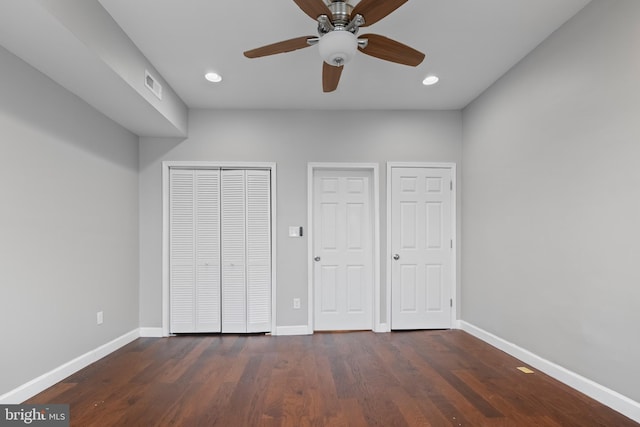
(37, 385)
(293, 330)
(602, 394)
(151, 333)
(306, 330)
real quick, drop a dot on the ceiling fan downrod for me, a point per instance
(341, 11)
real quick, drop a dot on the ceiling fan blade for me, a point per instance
(390, 50)
(375, 10)
(313, 8)
(330, 77)
(280, 47)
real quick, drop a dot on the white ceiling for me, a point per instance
(469, 44)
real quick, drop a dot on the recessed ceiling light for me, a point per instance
(430, 80)
(213, 77)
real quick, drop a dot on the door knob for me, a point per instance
(316, 259)
(396, 257)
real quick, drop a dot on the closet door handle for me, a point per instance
(317, 259)
(396, 257)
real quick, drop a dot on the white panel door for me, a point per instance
(194, 243)
(343, 250)
(421, 243)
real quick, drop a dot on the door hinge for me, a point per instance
(451, 302)
(451, 242)
(451, 185)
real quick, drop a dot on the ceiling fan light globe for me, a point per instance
(338, 47)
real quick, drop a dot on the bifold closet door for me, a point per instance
(194, 246)
(246, 250)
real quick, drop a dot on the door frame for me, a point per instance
(454, 233)
(166, 166)
(378, 326)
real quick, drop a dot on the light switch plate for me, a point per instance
(295, 231)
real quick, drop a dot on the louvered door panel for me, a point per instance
(234, 296)
(258, 238)
(220, 250)
(182, 251)
(207, 244)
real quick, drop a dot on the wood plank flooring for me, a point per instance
(418, 378)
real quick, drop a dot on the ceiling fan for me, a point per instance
(338, 24)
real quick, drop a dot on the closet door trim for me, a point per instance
(166, 166)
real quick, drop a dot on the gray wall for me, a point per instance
(551, 212)
(291, 139)
(94, 26)
(68, 225)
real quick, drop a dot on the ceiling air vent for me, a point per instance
(153, 85)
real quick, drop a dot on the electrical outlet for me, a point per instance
(99, 318)
(296, 303)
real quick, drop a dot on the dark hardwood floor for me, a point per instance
(420, 378)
